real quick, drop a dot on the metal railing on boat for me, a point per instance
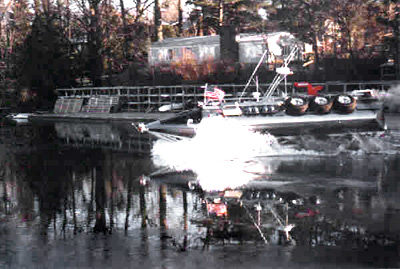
(150, 98)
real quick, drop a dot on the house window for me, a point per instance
(188, 54)
(170, 55)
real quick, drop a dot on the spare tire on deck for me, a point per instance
(344, 103)
(296, 105)
(320, 104)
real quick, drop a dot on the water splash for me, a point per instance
(219, 140)
(222, 154)
(225, 155)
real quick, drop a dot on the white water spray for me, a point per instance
(222, 154)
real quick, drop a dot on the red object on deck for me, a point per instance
(308, 213)
(218, 209)
(311, 90)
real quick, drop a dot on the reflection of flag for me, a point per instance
(217, 209)
(217, 94)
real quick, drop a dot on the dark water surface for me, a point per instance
(86, 196)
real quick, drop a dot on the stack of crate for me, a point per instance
(68, 105)
(101, 104)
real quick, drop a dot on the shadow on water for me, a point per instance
(76, 196)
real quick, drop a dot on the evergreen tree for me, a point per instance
(390, 17)
(210, 15)
(46, 64)
(304, 18)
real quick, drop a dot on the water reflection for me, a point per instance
(106, 206)
(115, 136)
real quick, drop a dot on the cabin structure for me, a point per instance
(241, 48)
(199, 48)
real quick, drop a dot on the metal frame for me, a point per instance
(149, 98)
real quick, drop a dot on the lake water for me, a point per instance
(103, 196)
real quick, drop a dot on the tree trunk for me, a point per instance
(397, 38)
(157, 21)
(180, 18)
(200, 31)
(316, 55)
(46, 6)
(124, 30)
(221, 13)
(36, 4)
(108, 34)
(96, 64)
(353, 70)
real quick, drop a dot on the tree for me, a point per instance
(46, 64)
(126, 45)
(18, 20)
(210, 15)
(88, 25)
(390, 17)
(306, 19)
(19, 24)
(350, 17)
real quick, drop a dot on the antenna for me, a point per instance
(265, 54)
(282, 73)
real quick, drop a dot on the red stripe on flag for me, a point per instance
(216, 94)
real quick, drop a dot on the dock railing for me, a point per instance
(150, 98)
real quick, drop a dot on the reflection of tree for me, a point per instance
(41, 174)
(66, 206)
(128, 202)
(5, 199)
(185, 220)
(73, 179)
(163, 214)
(100, 199)
(71, 187)
(92, 197)
(142, 201)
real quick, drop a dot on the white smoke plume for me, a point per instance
(392, 100)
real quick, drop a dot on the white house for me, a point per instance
(250, 48)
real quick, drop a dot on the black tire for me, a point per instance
(321, 104)
(296, 105)
(251, 110)
(344, 103)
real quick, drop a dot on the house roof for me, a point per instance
(215, 39)
(248, 37)
(187, 41)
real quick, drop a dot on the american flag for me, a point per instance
(217, 94)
